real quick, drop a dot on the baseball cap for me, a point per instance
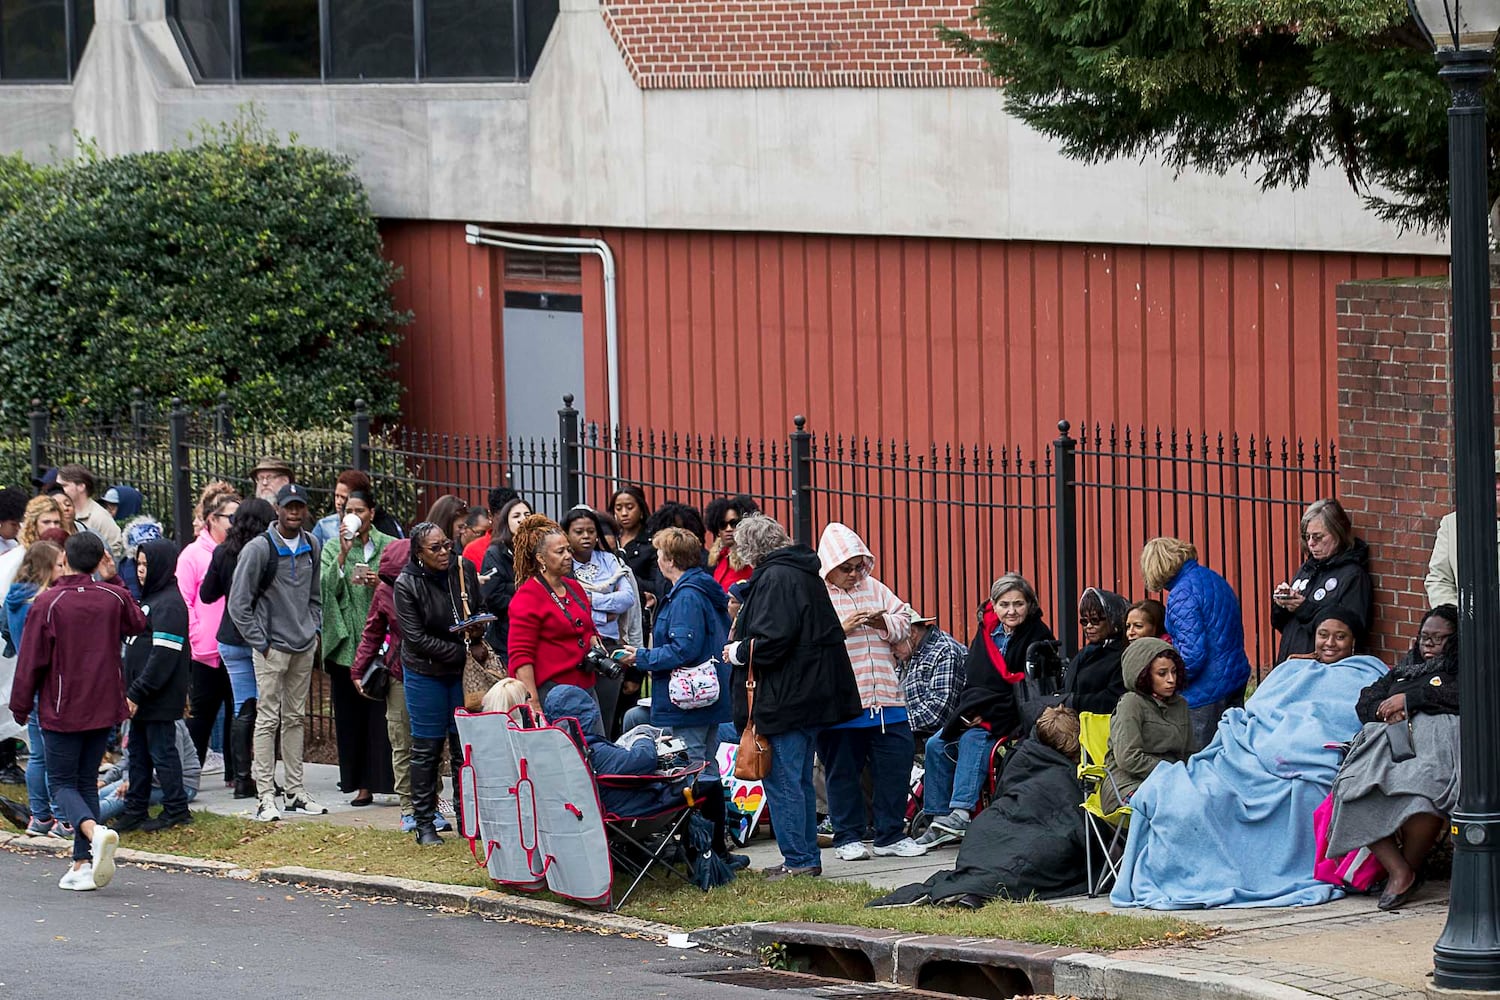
(917, 618)
(291, 493)
(111, 495)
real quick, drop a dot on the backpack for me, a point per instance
(268, 569)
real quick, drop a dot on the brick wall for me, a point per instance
(688, 44)
(1395, 438)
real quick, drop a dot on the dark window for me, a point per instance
(205, 28)
(280, 39)
(471, 38)
(372, 40)
(34, 40)
(83, 26)
(540, 15)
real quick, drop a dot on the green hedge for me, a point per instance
(237, 265)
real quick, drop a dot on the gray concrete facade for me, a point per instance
(581, 144)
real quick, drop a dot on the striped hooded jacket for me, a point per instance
(870, 651)
(158, 662)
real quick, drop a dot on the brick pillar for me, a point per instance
(1395, 439)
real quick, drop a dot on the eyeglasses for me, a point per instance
(1314, 537)
(1434, 638)
(729, 524)
(441, 547)
(1094, 621)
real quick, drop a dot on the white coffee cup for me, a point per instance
(351, 525)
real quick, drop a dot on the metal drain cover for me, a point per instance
(777, 980)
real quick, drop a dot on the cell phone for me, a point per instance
(619, 655)
(361, 572)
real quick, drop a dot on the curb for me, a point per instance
(484, 902)
(984, 966)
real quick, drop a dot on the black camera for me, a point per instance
(603, 664)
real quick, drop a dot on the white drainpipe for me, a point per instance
(480, 236)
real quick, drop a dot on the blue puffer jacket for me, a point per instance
(1206, 626)
(692, 625)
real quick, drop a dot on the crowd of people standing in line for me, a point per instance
(845, 671)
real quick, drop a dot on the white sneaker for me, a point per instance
(213, 762)
(903, 848)
(855, 851)
(267, 811)
(306, 807)
(103, 846)
(81, 880)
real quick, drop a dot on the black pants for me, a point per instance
(359, 730)
(153, 746)
(210, 695)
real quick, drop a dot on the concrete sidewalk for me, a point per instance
(1345, 950)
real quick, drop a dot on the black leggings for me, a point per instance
(210, 695)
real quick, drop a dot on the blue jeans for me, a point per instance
(42, 809)
(239, 661)
(888, 751)
(73, 761)
(431, 702)
(112, 800)
(792, 799)
(153, 748)
(950, 785)
(702, 744)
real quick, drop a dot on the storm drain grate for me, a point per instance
(778, 980)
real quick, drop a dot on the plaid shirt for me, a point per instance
(933, 679)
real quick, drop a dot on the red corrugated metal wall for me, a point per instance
(914, 338)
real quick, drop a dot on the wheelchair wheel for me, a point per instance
(918, 825)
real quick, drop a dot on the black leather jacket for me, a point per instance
(428, 604)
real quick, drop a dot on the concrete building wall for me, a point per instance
(583, 144)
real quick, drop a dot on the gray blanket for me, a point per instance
(1373, 794)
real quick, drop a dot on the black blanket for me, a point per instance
(1030, 841)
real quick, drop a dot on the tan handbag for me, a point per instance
(478, 677)
(753, 762)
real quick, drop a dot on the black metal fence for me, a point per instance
(942, 519)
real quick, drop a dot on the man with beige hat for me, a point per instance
(270, 475)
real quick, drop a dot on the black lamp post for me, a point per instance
(1467, 956)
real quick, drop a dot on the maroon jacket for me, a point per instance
(382, 620)
(70, 652)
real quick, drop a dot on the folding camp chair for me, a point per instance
(1106, 831)
(647, 845)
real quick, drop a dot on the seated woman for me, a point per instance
(1150, 726)
(1147, 620)
(504, 696)
(1400, 779)
(1092, 682)
(568, 702)
(1233, 825)
(958, 757)
(1029, 841)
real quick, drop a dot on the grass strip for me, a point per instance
(748, 898)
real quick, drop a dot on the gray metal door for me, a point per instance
(543, 361)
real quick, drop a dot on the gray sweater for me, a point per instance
(289, 614)
(192, 771)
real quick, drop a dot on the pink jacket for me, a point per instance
(870, 649)
(203, 617)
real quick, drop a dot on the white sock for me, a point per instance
(961, 813)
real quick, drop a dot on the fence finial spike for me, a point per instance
(800, 422)
(568, 400)
(1063, 427)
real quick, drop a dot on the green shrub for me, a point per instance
(237, 264)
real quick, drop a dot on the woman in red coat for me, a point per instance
(551, 623)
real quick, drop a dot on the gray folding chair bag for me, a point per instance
(539, 821)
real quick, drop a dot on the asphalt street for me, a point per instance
(162, 934)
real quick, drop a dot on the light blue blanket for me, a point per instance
(1233, 826)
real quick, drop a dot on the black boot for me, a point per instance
(711, 794)
(456, 761)
(425, 755)
(242, 744)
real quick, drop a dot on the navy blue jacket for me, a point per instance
(692, 625)
(1206, 626)
(568, 702)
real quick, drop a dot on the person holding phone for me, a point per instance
(348, 588)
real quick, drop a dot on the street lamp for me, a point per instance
(1467, 956)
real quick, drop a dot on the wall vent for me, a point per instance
(529, 265)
